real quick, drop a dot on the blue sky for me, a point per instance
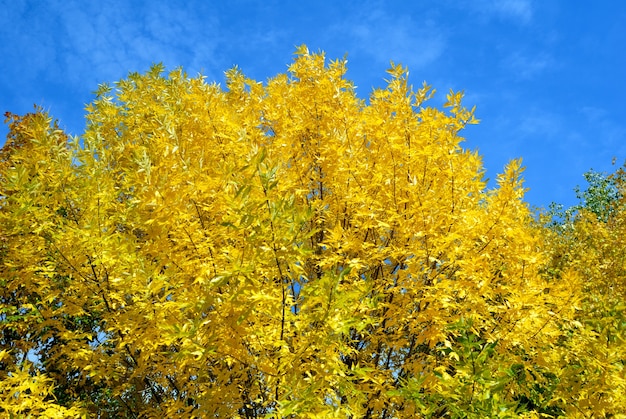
(548, 77)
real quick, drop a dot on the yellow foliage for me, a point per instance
(23, 395)
(278, 249)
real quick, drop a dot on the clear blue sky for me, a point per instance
(548, 77)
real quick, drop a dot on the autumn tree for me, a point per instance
(26, 388)
(589, 238)
(279, 249)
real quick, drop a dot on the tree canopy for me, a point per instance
(287, 249)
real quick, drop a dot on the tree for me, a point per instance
(25, 389)
(589, 238)
(274, 250)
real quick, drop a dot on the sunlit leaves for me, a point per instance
(278, 249)
(588, 239)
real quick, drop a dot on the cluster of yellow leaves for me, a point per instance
(275, 250)
(23, 395)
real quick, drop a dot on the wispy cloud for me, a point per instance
(526, 66)
(85, 43)
(540, 125)
(520, 11)
(109, 40)
(385, 35)
(607, 131)
(515, 9)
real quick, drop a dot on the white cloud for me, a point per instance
(541, 124)
(607, 131)
(515, 9)
(385, 36)
(86, 43)
(520, 11)
(527, 66)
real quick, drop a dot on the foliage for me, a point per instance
(590, 240)
(599, 199)
(601, 196)
(279, 250)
